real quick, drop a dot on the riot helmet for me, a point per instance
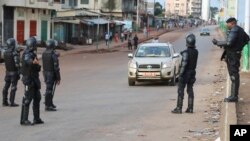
(51, 44)
(31, 43)
(190, 40)
(11, 44)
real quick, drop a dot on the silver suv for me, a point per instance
(154, 62)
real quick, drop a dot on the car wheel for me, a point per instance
(173, 80)
(131, 82)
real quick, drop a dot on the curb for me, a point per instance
(229, 109)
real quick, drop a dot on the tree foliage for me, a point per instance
(110, 5)
(213, 11)
(158, 9)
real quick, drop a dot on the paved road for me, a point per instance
(95, 102)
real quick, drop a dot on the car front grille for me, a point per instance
(149, 66)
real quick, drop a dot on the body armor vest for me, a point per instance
(9, 61)
(192, 58)
(48, 64)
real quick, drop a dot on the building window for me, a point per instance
(44, 12)
(63, 1)
(73, 3)
(57, 1)
(20, 12)
(84, 1)
(33, 11)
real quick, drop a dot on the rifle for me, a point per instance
(54, 89)
(23, 105)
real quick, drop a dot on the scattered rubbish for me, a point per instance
(142, 135)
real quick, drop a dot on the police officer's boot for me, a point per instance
(12, 97)
(48, 103)
(36, 112)
(178, 109)
(5, 98)
(52, 103)
(234, 90)
(25, 116)
(190, 105)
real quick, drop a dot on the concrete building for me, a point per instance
(176, 7)
(25, 18)
(205, 10)
(183, 8)
(195, 8)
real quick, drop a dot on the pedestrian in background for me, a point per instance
(122, 36)
(187, 75)
(129, 44)
(116, 37)
(136, 39)
(107, 38)
(125, 34)
(235, 41)
(12, 66)
(110, 36)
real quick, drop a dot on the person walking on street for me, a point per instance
(187, 75)
(116, 37)
(129, 44)
(122, 36)
(51, 73)
(110, 36)
(125, 34)
(135, 42)
(235, 41)
(12, 65)
(107, 38)
(30, 71)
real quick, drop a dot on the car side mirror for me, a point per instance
(176, 55)
(130, 55)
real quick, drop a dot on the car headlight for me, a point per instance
(133, 65)
(166, 65)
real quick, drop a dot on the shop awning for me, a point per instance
(117, 22)
(68, 21)
(95, 21)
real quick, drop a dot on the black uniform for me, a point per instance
(31, 81)
(187, 75)
(12, 65)
(235, 41)
(136, 39)
(51, 73)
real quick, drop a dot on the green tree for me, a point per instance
(110, 5)
(158, 9)
(214, 10)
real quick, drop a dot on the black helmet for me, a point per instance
(50, 44)
(190, 40)
(11, 43)
(31, 43)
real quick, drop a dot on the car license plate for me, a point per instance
(149, 74)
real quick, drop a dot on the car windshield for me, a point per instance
(153, 51)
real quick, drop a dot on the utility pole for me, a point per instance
(137, 16)
(246, 48)
(97, 34)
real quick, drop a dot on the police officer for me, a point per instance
(12, 65)
(51, 73)
(187, 74)
(235, 41)
(30, 71)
